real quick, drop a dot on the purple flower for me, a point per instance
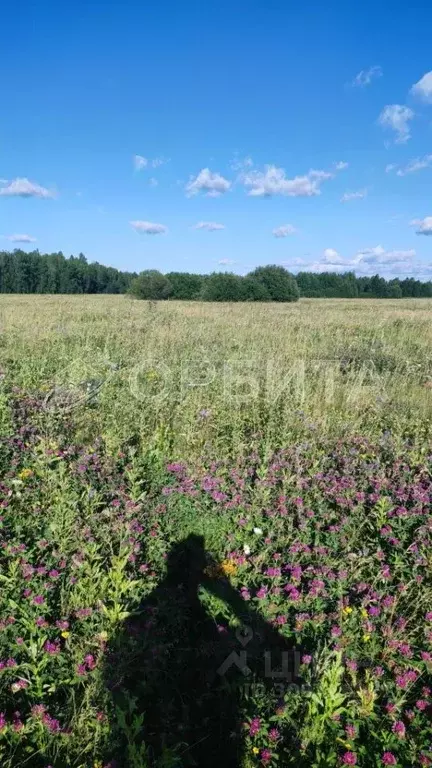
(349, 758)
(254, 726)
(274, 734)
(388, 758)
(399, 729)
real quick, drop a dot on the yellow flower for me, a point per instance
(97, 764)
(347, 610)
(25, 473)
(65, 635)
(228, 568)
(255, 750)
(366, 638)
(364, 613)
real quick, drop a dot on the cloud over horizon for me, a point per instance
(149, 227)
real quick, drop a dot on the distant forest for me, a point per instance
(22, 272)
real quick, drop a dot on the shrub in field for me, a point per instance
(223, 286)
(150, 284)
(280, 284)
(184, 285)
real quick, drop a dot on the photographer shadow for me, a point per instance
(180, 681)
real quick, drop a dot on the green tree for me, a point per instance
(281, 284)
(185, 286)
(254, 290)
(150, 284)
(223, 286)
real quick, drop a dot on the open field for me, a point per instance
(186, 481)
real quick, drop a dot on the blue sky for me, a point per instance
(239, 114)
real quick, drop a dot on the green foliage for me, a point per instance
(150, 284)
(22, 272)
(223, 286)
(279, 283)
(255, 290)
(185, 286)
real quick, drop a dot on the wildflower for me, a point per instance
(90, 661)
(350, 731)
(228, 568)
(65, 634)
(421, 705)
(52, 648)
(347, 610)
(388, 758)
(254, 726)
(306, 659)
(349, 758)
(274, 734)
(255, 750)
(25, 474)
(258, 531)
(38, 600)
(2, 721)
(399, 729)
(366, 638)
(64, 625)
(19, 685)
(266, 756)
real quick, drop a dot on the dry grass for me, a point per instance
(270, 370)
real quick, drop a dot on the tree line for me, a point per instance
(273, 283)
(33, 272)
(22, 272)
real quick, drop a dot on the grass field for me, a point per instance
(186, 481)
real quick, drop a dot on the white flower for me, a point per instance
(246, 549)
(258, 531)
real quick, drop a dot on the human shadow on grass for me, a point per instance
(179, 680)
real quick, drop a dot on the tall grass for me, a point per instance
(340, 366)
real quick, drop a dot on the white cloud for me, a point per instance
(359, 195)
(210, 226)
(424, 225)
(331, 256)
(158, 161)
(341, 166)
(284, 231)
(21, 239)
(153, 182)
(139, 162)
(423, 89)
(22, 187)
(365, 76)
(149, 227)
(416, 165)
(241, 164)
(296, 262)
(397, 117)
(273, 181)
(366, 261)
(226, 262)
(212, 184)
(390, 167)
(379, 255)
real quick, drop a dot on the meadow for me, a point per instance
(215, 533)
